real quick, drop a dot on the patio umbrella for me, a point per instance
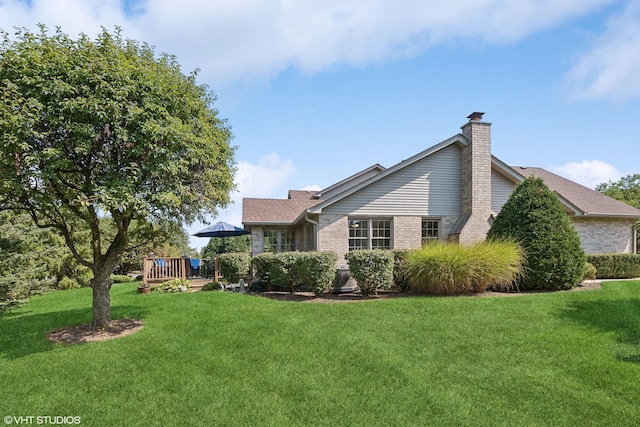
(222, 229)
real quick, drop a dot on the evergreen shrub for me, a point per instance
(616, 266)
(534, 217)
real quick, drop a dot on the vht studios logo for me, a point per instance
(41, 420)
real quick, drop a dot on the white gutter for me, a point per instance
(306, 217)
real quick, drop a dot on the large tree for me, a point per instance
(95, 128)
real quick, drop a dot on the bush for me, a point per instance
(173, 286)
(120, 278)
(400, 271)
(212, 286)
(590, 272)
(316, 270)
(372, 269)
(616, 266)
(447, 269)
(262, 264)
(534, 217)
(289, 270)
(234, 266)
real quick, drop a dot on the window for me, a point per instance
(430, 230)
(278, 241)
(369, 234)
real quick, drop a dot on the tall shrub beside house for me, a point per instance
(534, 217)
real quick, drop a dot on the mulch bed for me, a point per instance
(87, 333)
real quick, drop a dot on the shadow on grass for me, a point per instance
(619, 316)
(23, 333)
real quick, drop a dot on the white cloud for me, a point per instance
(588, 172)
(312, 187)
(249, 39)
(610, 69)
(264, 178)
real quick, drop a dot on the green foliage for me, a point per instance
(289, 270)
(92, 127)
(400, 271)
(119, 278)
(627, 190)
(173, 286)
(590, 272)
(263, 264)
(316, 270)
(534, 217)
(234, 266)
(212, 286)
(616, 266)
(448, 269)
(372, 269)
(223, 245)
(30, 258)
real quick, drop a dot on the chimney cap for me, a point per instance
(475, 116)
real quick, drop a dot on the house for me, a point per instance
(451, 191)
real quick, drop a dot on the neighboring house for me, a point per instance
(451, 191)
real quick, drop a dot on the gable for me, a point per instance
(428, 186)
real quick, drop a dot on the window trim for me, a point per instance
(280, 244)
(370, 231)
(425, 230)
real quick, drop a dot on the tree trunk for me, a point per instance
(101, 285)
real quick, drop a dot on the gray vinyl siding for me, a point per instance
(351, 183)
(429, 187)
(501, 189)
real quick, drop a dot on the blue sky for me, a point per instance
(316, 91)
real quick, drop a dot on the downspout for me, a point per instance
(317, 226)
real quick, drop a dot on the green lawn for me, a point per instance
(570, 358)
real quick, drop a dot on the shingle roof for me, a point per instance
(274, 211)
(588, 201)
(301, 194)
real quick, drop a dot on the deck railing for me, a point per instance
(162, 269)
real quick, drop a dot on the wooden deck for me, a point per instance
(162, 269)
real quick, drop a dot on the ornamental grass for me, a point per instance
(449, 269)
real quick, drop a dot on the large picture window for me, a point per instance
(369, 233)
(430, 230)
(278, 241)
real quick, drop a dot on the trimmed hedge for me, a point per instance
(400, 272)
(289, 270)
(616, 266)
(371, 268)
(234, 266)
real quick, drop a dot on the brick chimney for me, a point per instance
(476, 179)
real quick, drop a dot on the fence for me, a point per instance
(161, 269)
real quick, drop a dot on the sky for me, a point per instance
(315, 91)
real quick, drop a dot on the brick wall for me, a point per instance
(407, 232)
(603, 235)
(333, 235)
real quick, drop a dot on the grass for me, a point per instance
(213, 358)
(447, 269)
